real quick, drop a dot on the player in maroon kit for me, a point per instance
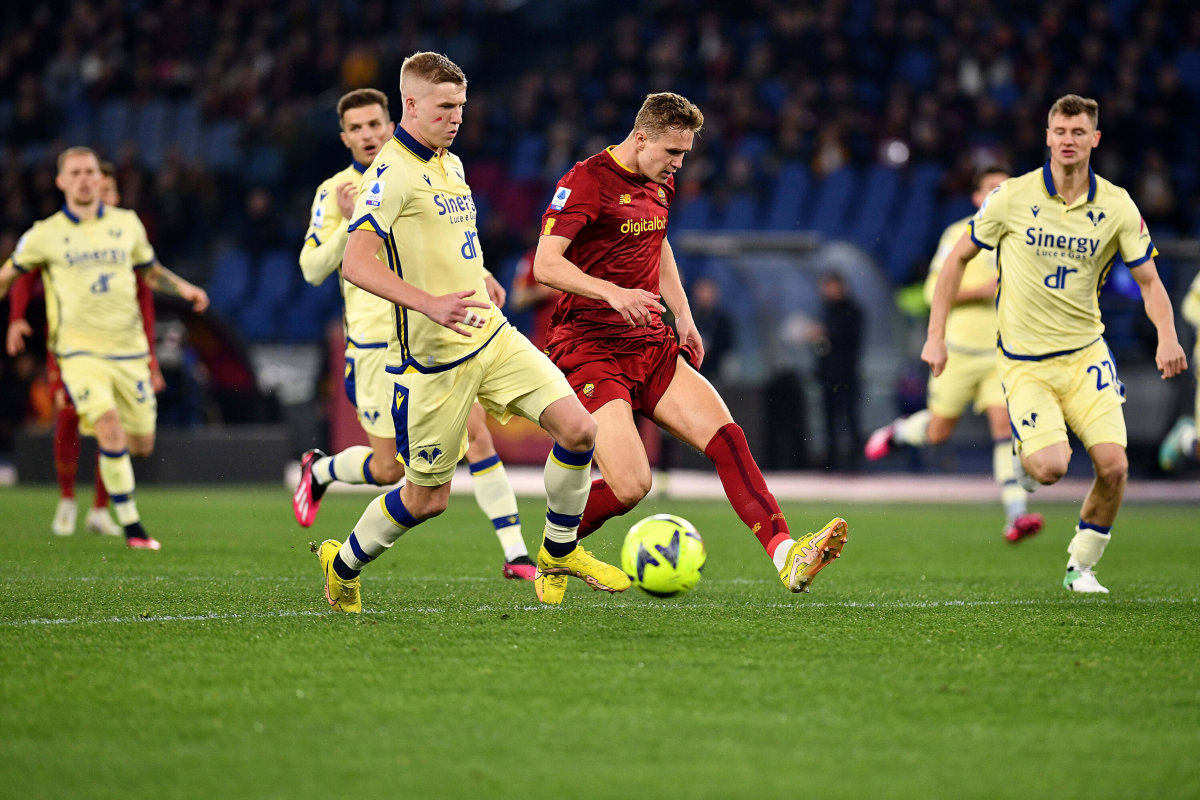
(604, 244)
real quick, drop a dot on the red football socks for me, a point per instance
(745, 486)
(66, 450)
(602, 505)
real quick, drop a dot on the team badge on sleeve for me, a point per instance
(560, 198)
(375, 194)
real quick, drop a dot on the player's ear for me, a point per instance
(342, 136)
(391, 128)
(1096, 139)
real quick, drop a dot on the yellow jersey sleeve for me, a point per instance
(971, 325)
(325, 239)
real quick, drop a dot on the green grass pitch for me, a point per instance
(932, 661)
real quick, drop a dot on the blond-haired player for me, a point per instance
(369, 323)
(1056, 231)
(66, 422)
(88, 254)
(972, 377)
(1181, 442)
(414, 241)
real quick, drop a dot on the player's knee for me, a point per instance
(386, 471)
(1113, 471)
(630, 489)
(579, 434)
(427, 505)
(141, 446)
(1047, 472)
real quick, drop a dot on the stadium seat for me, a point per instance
(741, 213)
(221, 147)
(229, 285)
(693, 214)
(834, 198)
(874, 217)
(278, 275)
(112, 127)
(788, 200)
(304, 319)
(150, 127)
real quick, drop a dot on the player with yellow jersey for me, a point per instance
(413, 241)
(369, 324)
(1181, 442)
(88, 254)
(972, 376)
(1056, 232)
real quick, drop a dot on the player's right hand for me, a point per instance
(634, 305)
(454, 309)
(18, 331)
(347, 192)
(934, 354)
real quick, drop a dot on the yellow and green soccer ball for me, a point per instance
(664, 555)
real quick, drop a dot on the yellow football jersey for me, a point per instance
(1190, 309)
(970, 327)
(419, 202)
(91, 287)
(367, 318)
(1053, 258)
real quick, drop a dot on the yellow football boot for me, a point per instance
(342, 595)
(550, 583)
(811, 553)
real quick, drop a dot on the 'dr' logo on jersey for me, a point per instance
(101, 284)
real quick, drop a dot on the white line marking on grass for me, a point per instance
(884, 606)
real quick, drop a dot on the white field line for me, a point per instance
(690, 607)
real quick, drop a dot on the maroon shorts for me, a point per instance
(636, 371)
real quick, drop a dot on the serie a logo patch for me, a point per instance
(375, 194)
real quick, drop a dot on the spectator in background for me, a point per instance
(713, 323)
(837, 343)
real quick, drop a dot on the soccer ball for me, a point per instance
(664, 555)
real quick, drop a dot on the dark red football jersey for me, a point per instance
(616, 221)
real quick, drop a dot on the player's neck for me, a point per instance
(1071, 181)
(625, 154)
(84, 210)
(411, 129)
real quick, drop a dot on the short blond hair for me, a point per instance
(361, 98)
(75, 151)
(432, 68)
(1069, 105)
(666, 111)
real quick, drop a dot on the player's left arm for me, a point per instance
(1169, 356)
(162, 280)
(670, 285)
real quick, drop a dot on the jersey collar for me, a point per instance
(359, 168)
(67, 213)
(1048, 181)
(409, 143)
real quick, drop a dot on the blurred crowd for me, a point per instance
(220, 113)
